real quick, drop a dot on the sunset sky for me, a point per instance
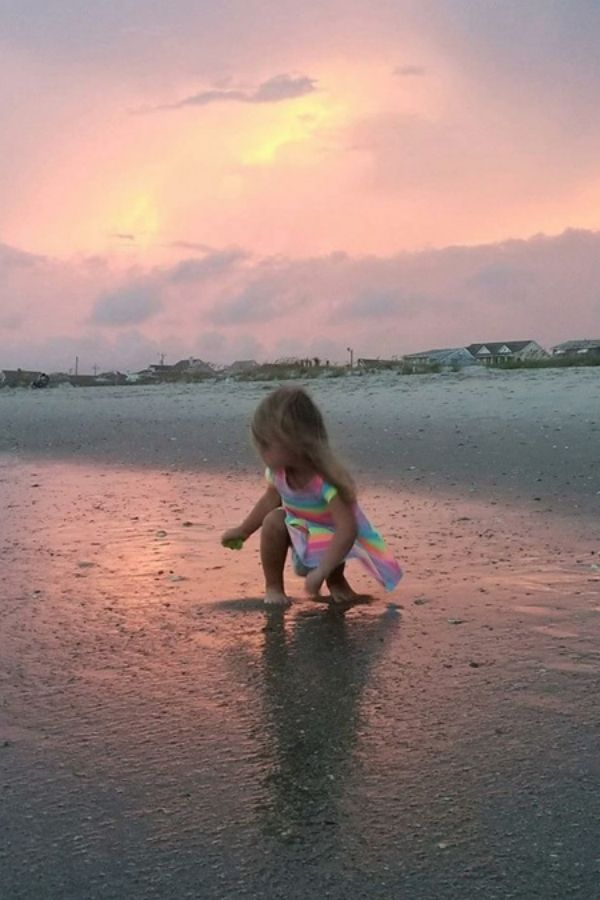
(260, 179)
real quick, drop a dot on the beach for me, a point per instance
(498, 435)
(162, 735)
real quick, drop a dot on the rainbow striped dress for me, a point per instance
(311, 527)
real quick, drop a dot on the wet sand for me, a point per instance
(163, 736)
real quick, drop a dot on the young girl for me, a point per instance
(310, 503)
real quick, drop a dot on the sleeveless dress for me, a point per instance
(311, 527)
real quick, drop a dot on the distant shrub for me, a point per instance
(273, 372)
(419, 368)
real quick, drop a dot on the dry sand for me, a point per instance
(162, 736)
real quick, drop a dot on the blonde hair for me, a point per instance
(289, 416)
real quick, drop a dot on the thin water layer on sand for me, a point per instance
(162, 735)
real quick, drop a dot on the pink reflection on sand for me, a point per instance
(116, 577)
(70, 525)
(148, 534)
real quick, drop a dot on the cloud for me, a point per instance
(274, 90)
(122, 237)
(544, 288)
(283, 87)
(410, 71)
(130, 305)
(11, 257)
(11, 322)
(246, 346)
(216, 346)
(260, 301)
(501, 279)
(256, 303)
(127, 350)
(190, 245)
(371, 304)
(216, 263)
(533, 53)
(211, 344)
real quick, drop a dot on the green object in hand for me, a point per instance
(234, 543)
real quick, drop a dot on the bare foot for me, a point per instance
(342, 593)
(276, 597)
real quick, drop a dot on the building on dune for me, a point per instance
(240, 367)
(18, 377)
(190, 369)
(446, 357)
(586, 349)
(377, 365)
(496, 352)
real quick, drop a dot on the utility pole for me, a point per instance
(95, 369)
(351, 352)
(76, 366)
(162, 359)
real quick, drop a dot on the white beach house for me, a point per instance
(494, 352)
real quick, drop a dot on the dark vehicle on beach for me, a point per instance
(42, 381)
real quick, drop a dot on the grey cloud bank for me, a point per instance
(206, 267)
(544, 288)
(131, 305)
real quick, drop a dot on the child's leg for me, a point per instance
(274, 543)
(340, 590)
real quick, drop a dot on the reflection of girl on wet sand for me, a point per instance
(310, 504)
(315, 676)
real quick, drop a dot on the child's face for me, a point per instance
(276, 455)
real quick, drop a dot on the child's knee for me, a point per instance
(274, 522)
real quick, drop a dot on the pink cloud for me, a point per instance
(544, 288)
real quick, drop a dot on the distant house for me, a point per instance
(193, 366)
(374, 365)
(112, 377)
(17, 377)
(85, 381)
(185, 368)
(583, 348)
(152, 375)
(240, 367)
(448, 356)
(159, 369)
(495, 352)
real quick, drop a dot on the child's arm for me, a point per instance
(346, 530)
(269, 501)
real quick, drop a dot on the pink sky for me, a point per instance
(266, 179)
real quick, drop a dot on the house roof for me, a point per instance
(438, 354)
(496, 347)
(18, 374)
(586, 344)
(191, 363)
(241, 365)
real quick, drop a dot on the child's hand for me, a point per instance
(313, 582)
(233, 538)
